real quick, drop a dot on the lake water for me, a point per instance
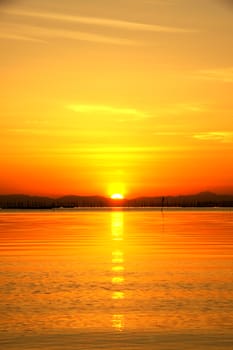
(112, 279)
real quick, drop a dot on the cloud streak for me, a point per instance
(104, 109)
(9, 36)
(36, 33)
(104, 22)
(219, 136)
(220, 74)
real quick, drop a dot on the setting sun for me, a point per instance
(117, 196)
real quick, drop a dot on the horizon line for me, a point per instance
(123, 199)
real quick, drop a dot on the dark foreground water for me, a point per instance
(116, 280)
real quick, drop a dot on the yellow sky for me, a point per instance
(104, 96)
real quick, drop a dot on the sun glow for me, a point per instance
(117, 196)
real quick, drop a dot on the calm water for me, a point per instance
(116, 280)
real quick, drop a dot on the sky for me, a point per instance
(128, 96)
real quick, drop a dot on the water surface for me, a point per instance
(136, 279)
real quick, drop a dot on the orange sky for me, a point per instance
(105, 96)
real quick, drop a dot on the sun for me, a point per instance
(117, 196)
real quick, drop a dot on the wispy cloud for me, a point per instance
(10, 36)
(59, 132)
(215, 136)
(40, 34)
(219, 74)
(114, 23)
(104, 109)
(219, 136)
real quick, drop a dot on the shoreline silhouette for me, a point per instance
(203, 199)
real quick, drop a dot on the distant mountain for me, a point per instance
(202, 199)
(22, 201)
(81, 201)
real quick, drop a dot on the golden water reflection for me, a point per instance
(117, 226)
(117, 268)
(118, 279)
(118, 295)
(117, 257)
(118, 322)
(64, 271)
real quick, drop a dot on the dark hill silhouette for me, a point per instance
(22, 201)
(202, 199)
(81, 201)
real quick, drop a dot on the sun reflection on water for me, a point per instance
(117, 226)
(117, 257)
(118, 295)
(116, 268)
(118, 322)
(118, 279)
